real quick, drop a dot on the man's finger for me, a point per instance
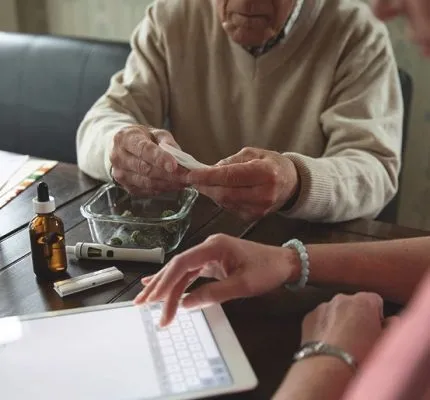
(129, 162)
(124, 160)
(146, 184)
(236, 159)
(152, 183)
(251, 173)
(244, 155)
(163, 136)
(140, 144)
(253, 197)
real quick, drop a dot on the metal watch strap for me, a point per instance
(311, 349)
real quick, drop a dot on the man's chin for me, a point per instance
(246, 38)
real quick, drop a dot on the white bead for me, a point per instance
(304, 261)
(304, 256)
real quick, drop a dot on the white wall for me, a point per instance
(415, 194)
(8, 20)
(105, 19)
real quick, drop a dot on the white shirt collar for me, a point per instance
(293, 17)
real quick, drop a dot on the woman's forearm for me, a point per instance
(389, 268)
(321, 377)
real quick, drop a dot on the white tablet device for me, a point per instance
(119, 352)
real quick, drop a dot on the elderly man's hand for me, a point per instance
(141, 166)
(417, 13)
(352, 323)
(243, 269)
(251, 183)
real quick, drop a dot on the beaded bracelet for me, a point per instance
(304, 261)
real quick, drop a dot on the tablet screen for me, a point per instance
(117, 353)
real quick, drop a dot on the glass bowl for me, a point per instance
(117, 219)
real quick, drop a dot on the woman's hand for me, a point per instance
(351, 323)
(243, 269)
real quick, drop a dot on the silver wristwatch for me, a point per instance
(311, 349)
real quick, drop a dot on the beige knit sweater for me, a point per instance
(328, 97)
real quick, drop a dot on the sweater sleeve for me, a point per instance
(357, 175)
(137, 95)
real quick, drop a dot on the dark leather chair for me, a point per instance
(391, 210)
(47, 84)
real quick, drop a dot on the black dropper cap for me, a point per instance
(43, 203)
(42, 192)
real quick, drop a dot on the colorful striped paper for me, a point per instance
(43, 167)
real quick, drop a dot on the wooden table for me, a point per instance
(268, 327)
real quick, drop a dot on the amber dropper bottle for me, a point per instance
(48, 250)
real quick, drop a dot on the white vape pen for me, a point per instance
(88, 281)
(99, 251)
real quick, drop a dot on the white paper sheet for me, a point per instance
(10, 163)
(184, 159)
(32, 165)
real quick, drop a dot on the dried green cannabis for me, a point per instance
(137, 238)
(147, 236)
(127, 213)
(167, 213)
(115, 241)
(173, 226)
